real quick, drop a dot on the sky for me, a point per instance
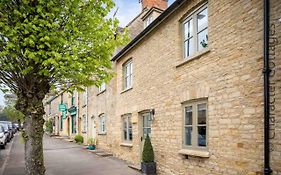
(127, 10)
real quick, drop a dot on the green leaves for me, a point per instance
(68, 42)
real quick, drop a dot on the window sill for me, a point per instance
(102, 133)
(126, 90)
(196, 153)
(101, 92)
(127, 145)
(193, 57)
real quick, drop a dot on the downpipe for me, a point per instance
(266, 72)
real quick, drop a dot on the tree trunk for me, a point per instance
(31, 105)
(34, 159)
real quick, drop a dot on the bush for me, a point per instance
(147, 153)
(79, 139)
(91, 141)
(49, 126)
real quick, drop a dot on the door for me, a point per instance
(145, 129)
(73, 124)
(68, 126)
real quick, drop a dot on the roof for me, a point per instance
(149, 28)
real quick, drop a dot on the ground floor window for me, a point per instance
(84, 123)
(195, 124)
(127, 128)
(102, 128)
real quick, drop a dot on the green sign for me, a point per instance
(64, 114)
(62, 107)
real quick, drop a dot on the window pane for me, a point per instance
(188, 115)
(188, 135)
(188, 29)
(125, 134)
(201, 135)
(201, 114)
(202, 39)
(189, 49)
(130, 134)
(202, 20)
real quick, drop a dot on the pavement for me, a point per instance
(62, 158)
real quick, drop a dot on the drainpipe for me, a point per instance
(266, 72)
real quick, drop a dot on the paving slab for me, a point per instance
(67, 158)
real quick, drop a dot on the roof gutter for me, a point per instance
(149, 28)
(266, 72)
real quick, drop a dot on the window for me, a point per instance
(102, 87)
(84, 123)
(85, 98)
(102, 129)
(148, 21)
(195, 29)
(195, 125)
(72, 100)
(127, 128)
(128, 75)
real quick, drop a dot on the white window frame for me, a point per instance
(128, 75)
(85, 98)
(194, 32)
(148, 21)
(126, 129)
(102, 87)
(102, 124)
(194, 136)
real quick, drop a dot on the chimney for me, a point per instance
(161, 4)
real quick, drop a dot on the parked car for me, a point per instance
(3, 137)
(14, 128)
(10, 128)
(17, 126)
(6, 131)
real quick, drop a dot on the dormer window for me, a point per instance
(148, 21)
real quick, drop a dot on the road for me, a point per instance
(62, 157)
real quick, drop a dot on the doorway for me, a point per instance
(145, 128)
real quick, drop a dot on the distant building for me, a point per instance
(191, 79)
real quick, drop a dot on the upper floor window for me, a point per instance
(128, 74)
(148, 21)
(102, 87)
(102, 119)
(85, 96)
(72, 100)
(127, 128)
(195, 29)
(195, 124)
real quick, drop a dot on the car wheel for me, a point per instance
(2, 146)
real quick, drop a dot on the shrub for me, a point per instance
(79, 139)
(91, 141)
(147, 153)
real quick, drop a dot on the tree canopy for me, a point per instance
(50, 44)
(57, 42)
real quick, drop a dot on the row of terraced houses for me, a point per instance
(192, 78)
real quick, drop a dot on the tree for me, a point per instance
(13, 114)
(147, 153)
(46, 45)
